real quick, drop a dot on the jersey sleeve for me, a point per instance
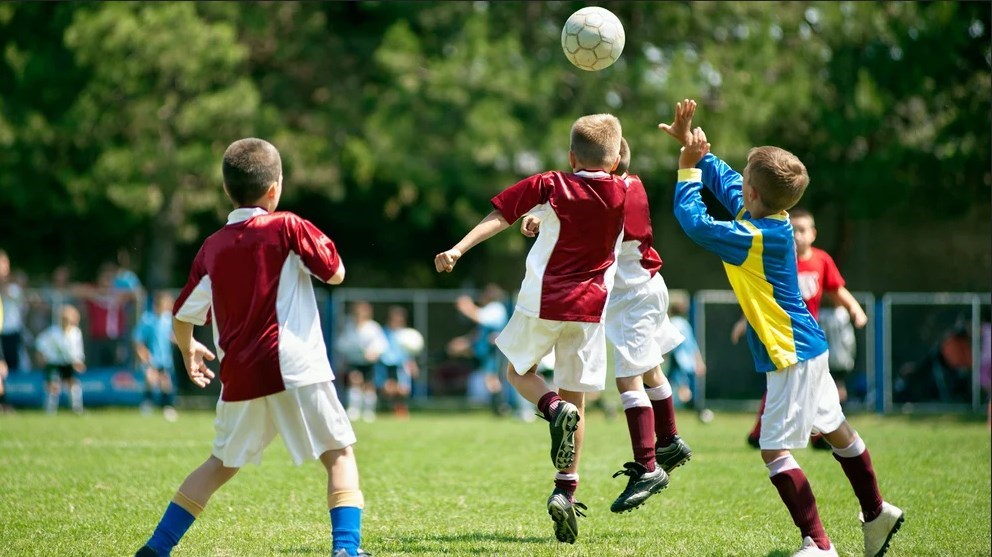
(832, 280)
(516, 200)
(725, 183)
(731, 240)
(193, 303)
(317, 252)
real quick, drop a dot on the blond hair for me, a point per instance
(595, 140)
(623, 166)
(778, 176)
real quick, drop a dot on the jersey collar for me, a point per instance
(592, 173)
(242, 214)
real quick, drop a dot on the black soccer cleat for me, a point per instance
(563, 426)
(564, 512)
(640, 485)
(673, 455)
(146, 551)
(344, 553)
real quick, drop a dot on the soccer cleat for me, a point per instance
(344, 553)
(879, 532)
(564, 510)
(146, 551)
(820, 443)
(810, 549)
(673, 455)
(641, 485)
(563, 426)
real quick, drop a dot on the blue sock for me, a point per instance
(170, 529)
(346, 529)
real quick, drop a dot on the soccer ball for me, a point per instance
(410, 340)
(592, 38)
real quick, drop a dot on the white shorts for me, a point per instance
(580, 350)
(638, 328)
(802, 398)
(310, 420)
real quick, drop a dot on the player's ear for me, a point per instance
(616, 163)
(571, 160)
(272, 191)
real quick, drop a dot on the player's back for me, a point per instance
(253, 276)
(638, 260)
(571, 265)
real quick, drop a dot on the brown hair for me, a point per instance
(250, 167)
(799, 212)
(778, 176)
(624, 165)
(595, 140)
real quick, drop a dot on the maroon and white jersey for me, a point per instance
(253, 276)
(638, 260)
(571, 265)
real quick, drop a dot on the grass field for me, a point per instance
(474, 485)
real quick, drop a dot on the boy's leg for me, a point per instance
(187, 504)
(880, 520)
(355, 398)
(54, 393)
(168, 394)
(564, 417)
(645, 477)
(794, 489)
(670, 450)
(562, 506)
(76, 395)
(344, 500)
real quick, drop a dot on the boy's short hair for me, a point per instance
(799, 212)
(250, 166)
(595, 140)
(624, 165)
(778, 176)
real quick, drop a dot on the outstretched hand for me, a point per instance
(681, 126)
(695, 149)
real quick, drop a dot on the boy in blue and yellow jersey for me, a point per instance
(759, 254)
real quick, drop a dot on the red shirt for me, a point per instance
(817, 275)
(638, 261)
(253, 276)
(571, 266)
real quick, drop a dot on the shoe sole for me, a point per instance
(563, 532)
(564, 454)
(651, 492)
(892, 532)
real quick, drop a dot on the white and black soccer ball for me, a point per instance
(410, 340)
(592, 38)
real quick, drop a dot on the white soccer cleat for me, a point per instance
(879, 532)
(810, 549)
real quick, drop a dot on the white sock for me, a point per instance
(781, 464)
(661, 392)
(854, 449)
(633, 399)
(76, 397)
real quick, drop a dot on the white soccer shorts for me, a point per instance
(580, 350)
(310, 420)
(638, 328)
(802, 398)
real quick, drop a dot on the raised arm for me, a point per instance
(493, 224)
(725, 183)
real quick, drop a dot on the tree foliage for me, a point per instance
(398, 121)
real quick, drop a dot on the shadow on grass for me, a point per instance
(779, 553)
(435, 544)
(300, 550)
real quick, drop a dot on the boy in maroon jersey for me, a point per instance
(818, 276)
(253, 278)
(562, 301)
(639, 333)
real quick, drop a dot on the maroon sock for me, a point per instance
(796, 493)
(568, 486)
(664, 421)
(640, 423)
(547, 404)
(861, 474)
(756, 430)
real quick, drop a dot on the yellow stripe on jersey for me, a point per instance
(757, 298)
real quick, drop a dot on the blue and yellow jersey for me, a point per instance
(759, 256)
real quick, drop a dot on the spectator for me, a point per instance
(399, 361)
(489, 317)
(686, 362)
(61, 351)
(12, 298)
(361, 344)
(836, 324)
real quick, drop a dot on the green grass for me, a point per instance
(474, 485)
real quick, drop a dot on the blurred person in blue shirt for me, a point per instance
(686, 361)
(398, 363)
(153, 347)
